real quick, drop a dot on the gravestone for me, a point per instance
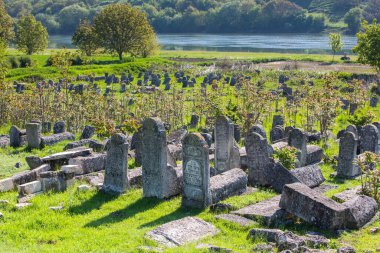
(258, 158)
(237, 132)
(276, 134)
(374, 101)
(259, 129)
(159, 178)
(225, 158)
(59, 127)
(278, 120)
(196, 172)
(116, 165)
(298, 140)
(15, 137)
(354, 130)
(194, 121)
(88, 132)
(369, 139)
(33, 135)
(347, 156)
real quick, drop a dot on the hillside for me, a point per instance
(211, 16)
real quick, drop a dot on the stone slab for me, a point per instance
(314, 154)
(181, 232)
(347, 195)
(267, 211)
(6, 185)
(235, 219)
(309, 175)
(68, 154)
(229, 183)
(361, 211)
(29, 188)
(313, 207)
(89, 164)
(56, 138)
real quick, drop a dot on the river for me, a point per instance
(285, 43)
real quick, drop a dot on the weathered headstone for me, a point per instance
(369, 139)
(259, 129)
(224, 145)
(354, 130)
(258, 157)
(278, 120)
(298, 140)
(237, 132)
(88, 132)
(116, 167)
(276, 134)
(159, 178)
(33, 135)
(347, 156)
(59, 127)
(196, 172)
(15, 137)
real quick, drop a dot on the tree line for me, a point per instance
(212, 16)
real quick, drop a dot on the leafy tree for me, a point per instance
(368, 47)
(336, 43)
(70, 16)
(32, 36)
(353, 19)
(85, 38)
(122, 28)
(6, 24)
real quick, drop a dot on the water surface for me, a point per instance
(292, 43)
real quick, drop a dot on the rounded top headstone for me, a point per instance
(118, 138)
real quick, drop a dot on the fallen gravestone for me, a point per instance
(181, 232)
(227, 184)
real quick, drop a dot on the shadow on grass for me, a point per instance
(129, 211)
(95, 202)
(175, 215)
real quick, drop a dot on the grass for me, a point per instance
(249, 56)
(96, 222)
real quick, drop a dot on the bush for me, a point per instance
(75, 61)
(13, 61)
(20, 62)
(287, 157)
(369, 164)
(361, 117)
(25, 62)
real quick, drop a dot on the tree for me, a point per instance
(122, 28)
(353, 19)
(32, 36)
(368, 47)
(85, 38)
(70, 16)
(6, 24)
(336, 43)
